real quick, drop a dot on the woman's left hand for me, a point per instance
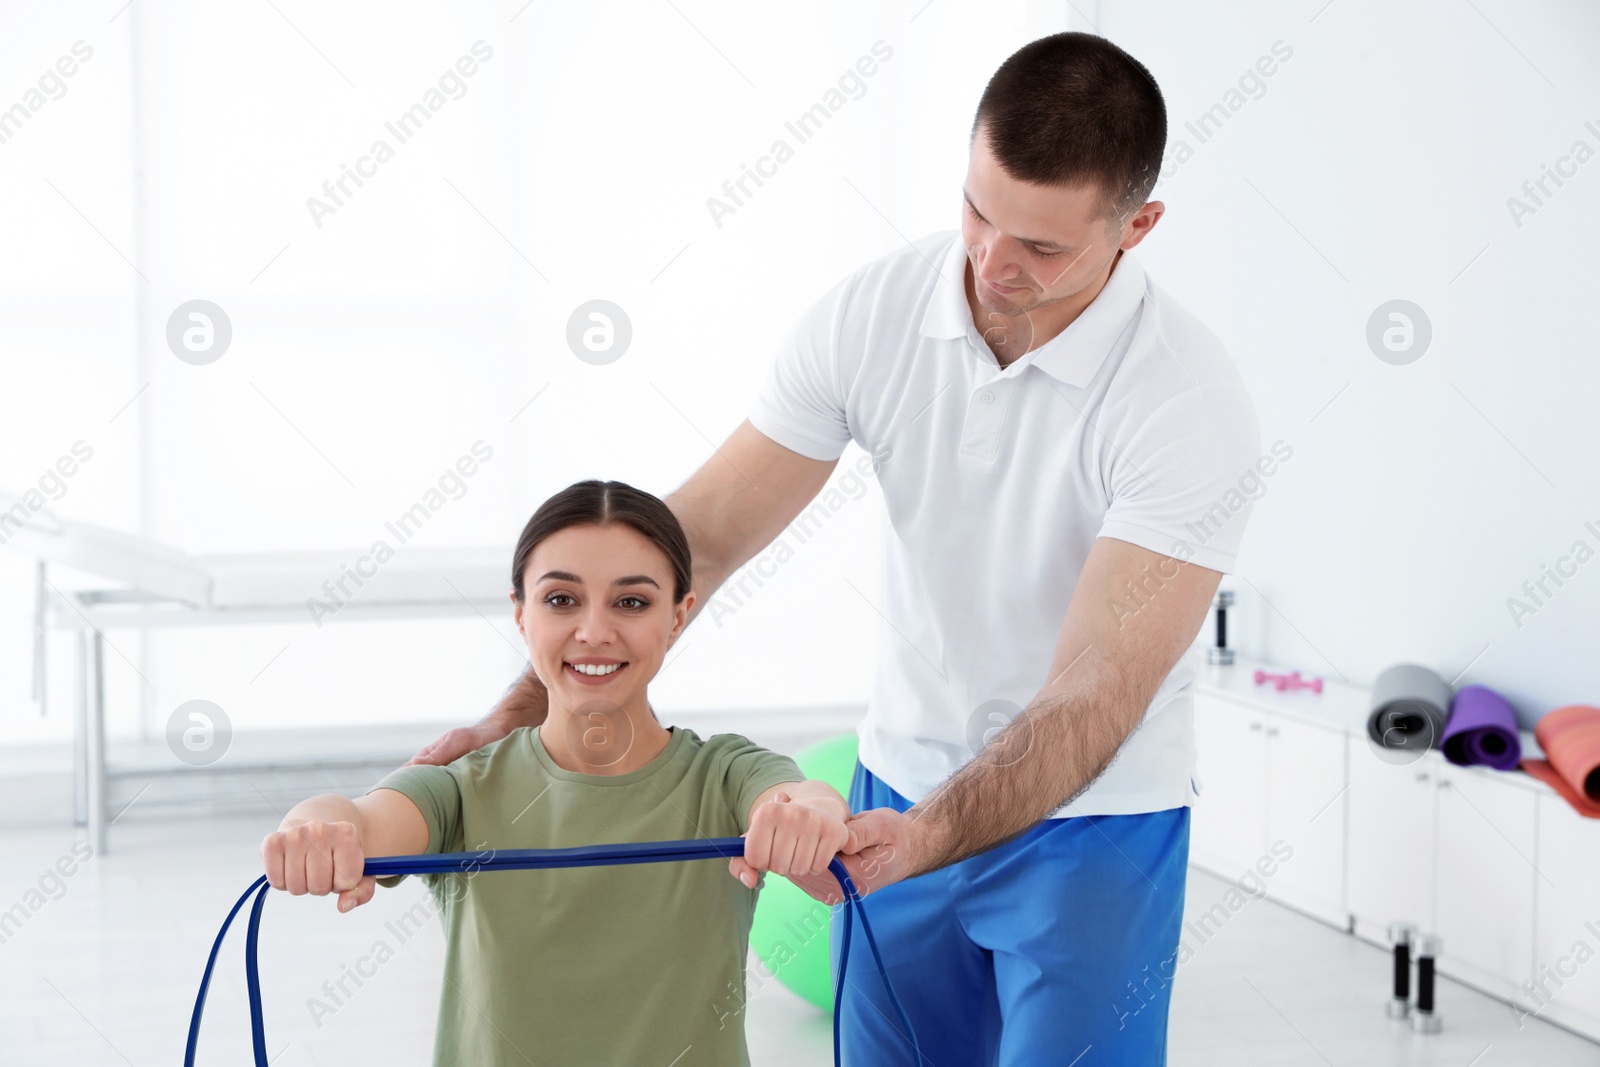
(797, 839)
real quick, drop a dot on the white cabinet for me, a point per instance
(1306, 811)
(1390, 843)
(1267, 781)
(1486, 879)
(1566, 979)
(1451, 850)
(1501, 869)
(1227, 828)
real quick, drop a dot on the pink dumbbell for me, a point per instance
(1297, 682)
(1291, 681)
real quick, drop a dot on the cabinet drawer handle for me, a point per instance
(1422, 776)
(1272, 731)
(1255, 726)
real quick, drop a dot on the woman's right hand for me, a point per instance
(316, 857)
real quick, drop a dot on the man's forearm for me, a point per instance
(526, 703)
(1042, 759)
(708, 565)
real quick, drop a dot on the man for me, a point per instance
(1059, 447)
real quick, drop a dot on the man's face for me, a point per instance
(1038, 243)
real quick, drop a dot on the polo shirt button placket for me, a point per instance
(985, 416)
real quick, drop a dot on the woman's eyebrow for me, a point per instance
(568, 576)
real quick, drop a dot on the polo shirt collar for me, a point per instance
(1072, 356)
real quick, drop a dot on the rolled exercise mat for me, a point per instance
(1482, 730)
(1570, 737)
(1409, 708)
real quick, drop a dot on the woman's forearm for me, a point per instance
(329, 807)
(822, 796)
(386, 821)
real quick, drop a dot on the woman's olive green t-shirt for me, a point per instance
(626, 964)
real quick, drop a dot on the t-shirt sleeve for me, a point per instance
(1186, 481)
(749, 771)
(437, 794)
(801, 405)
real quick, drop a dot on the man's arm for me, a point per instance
(731, 508)
(1108, 664)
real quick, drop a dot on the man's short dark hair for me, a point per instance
(1073, 109)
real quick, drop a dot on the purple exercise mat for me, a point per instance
(1482, 729)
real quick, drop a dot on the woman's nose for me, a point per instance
(594, 628)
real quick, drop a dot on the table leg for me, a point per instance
(96, 793)
(80, 733)
(41, 653)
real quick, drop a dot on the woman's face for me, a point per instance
(598, 616)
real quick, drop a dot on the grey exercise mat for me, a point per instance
(1410, 704)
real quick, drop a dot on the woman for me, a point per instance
(619, 964)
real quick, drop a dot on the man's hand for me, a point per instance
(526, 703)
(794, 838)
(458, 742)
(878, 853)
(318, 858)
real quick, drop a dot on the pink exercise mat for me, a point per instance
(1570, 737)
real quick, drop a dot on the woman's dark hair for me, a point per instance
(1074, 109)
(597, 503)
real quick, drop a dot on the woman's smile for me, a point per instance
(591, 671)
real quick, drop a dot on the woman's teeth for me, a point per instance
(594, 668)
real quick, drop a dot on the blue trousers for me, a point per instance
(1058, 947)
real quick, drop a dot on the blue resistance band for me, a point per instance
(536, 859)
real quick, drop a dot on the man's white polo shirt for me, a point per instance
(1132, 423)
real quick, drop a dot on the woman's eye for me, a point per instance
(562, 600)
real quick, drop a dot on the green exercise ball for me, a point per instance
(790, 931)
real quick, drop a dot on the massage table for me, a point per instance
(123, 581)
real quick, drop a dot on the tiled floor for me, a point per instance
(1273, 988)
(103, 966)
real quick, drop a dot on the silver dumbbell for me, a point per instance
(1220, 654)
(1401, 935)
(1424, 1020)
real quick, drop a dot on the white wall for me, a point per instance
(1374, 164)
(372, 351)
